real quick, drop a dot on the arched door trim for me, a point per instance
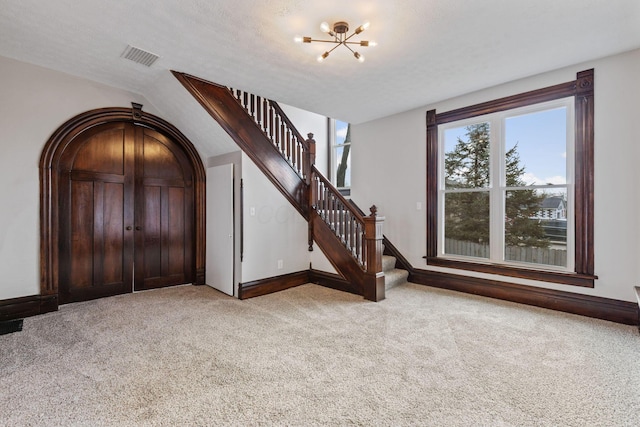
(49, 160)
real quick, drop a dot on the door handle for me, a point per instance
(129, 227)
(138, 228)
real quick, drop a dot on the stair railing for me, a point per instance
(347, 224)
(278, 128)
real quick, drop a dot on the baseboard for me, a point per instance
(568, 302)
(333, 281)
(19, 308)
(270, 285)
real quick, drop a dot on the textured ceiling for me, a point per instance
(428, 50)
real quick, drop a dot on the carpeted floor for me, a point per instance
(313, 356)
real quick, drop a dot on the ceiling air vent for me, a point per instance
(140, 56)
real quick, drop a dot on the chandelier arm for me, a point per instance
(326, 41)
(334, 48)
(352, 34)
(352, 51)
(358, 43)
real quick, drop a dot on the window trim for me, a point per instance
(582, 89)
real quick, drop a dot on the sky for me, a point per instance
(541, 139)
(341, 131)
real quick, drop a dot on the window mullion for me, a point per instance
(497, 189)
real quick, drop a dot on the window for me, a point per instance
(340, 153)
(510, 185)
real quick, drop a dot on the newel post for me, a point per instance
(309, 161)
(374, 277)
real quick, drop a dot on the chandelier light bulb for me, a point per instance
(297, 39)
(359, 57)
(362, 27)
(323, 56)
(325, 27)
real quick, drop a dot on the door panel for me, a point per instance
(150, 233)
(114, 232)
(82, 234)
(219, 273)
(96, 250)
(176, 231)
(103, 152)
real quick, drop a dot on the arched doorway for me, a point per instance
(119, 188)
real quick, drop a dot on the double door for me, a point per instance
(126, 207)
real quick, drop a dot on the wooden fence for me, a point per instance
(548, 256)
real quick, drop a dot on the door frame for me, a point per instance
(49, 187)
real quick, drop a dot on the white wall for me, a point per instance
(273, 229)
(308, 122)
(34, 102)
(389, 169)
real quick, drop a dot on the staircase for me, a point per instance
(351, 241)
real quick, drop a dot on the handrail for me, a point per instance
(275, 124)
(343, 219)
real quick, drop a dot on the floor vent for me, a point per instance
(140, 56)
(9, 326)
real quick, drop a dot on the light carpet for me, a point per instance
(313, 356)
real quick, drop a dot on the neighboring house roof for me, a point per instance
(553, 202)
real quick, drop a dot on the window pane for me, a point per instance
(536, 226)
(467, 224)
(343, 168)
(466, 161)
(536, 148)
(341, 157)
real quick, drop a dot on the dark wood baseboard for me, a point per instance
(19, 308)
(270, 285)
(333, 281)
(585, 305)
(624, 312)
(279, 283)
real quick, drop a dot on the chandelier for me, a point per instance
(339, 34)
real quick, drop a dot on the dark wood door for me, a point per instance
(126, 213)
(164, 212)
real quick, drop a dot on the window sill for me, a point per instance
(574, 279)
(346, 192)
